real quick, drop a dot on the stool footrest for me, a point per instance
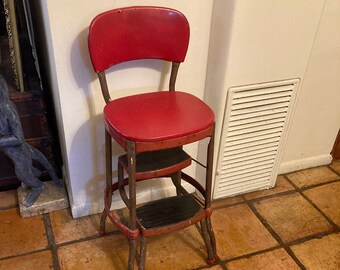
(158, 163)
(167, 211)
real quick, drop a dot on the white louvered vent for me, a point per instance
(254, 128)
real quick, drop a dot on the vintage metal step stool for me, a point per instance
(152, 127)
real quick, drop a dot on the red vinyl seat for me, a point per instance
(152, 127)
(157, 116)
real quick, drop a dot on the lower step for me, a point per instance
(167, 211)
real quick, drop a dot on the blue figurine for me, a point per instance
(13, 144)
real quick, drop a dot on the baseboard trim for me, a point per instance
(305, 163)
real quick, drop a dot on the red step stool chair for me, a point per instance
(152, 127)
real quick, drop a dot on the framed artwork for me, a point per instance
(13, 42)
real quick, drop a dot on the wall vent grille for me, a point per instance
(254, 129)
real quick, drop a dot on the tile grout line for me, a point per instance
(227, 205)
(270, 196)
(8, 207)
(24, 254)
(309, 237)
(207, 266)
(311, 186)
(281, 243)
(224, 267)
(53, 246)
(88, 238)
(248, 255)
(329, 167)
(301, 190)
(306, 169)
(51, 241)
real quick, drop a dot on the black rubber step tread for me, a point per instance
(167, 211)
(157, 160)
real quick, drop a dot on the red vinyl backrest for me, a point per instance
(140, 32)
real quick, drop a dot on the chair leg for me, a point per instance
(102, 226)
(121, 186)
(211, 234)
(108, 189)
(207, 240)
(176, 180)
(131, 155)
(142, 255)
(208, 189)
(209, 170)
(132, 253)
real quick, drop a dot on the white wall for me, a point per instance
(251, 42)
(77, 93)
(317, 118)
(265, 41)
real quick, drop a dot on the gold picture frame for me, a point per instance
(13, 42)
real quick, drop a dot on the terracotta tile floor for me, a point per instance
(292, 226)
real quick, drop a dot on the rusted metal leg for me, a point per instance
(121, 186)
(142, 254)
(102, 225)
(206, 238)
(132, 254)
(212, 235)
(131, 155)
(108, 189)
(209, 170)
(176, 180)
(208, 189)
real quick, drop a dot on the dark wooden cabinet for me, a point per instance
(336, 148)
(35, 122)
(34, 106)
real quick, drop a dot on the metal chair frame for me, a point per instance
(140, 152)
